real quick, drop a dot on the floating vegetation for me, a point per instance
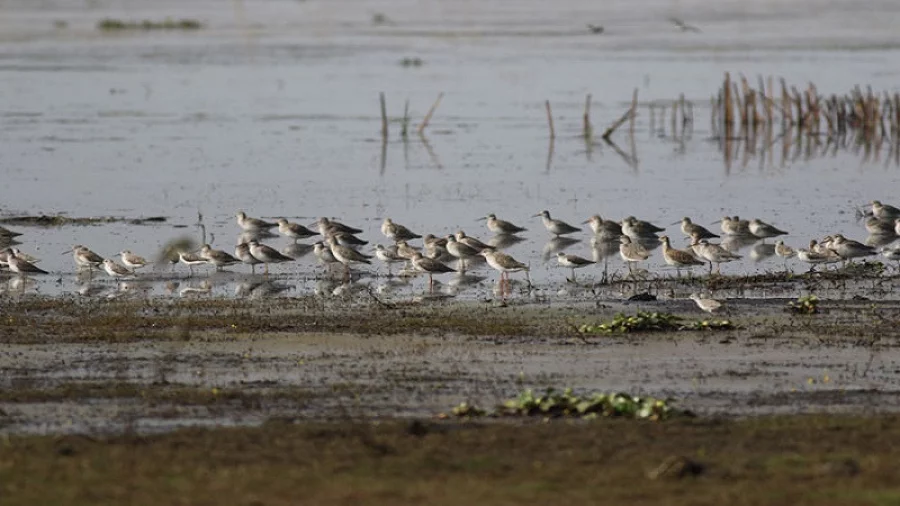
(808, 304)
(566, 404)
(644, 321)
(59, 220)
(113, 25)
(412, 62)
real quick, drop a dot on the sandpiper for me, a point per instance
(323, 254)
(346, 255)
(849, 249)
(814, 257)
(604, 229)
(242, 253)
(573, 262)
(21, 266)
(345, 239)
(406, 251)
(116, 270)
(132, 261)
(676, 257)
(430, 239)
(690, 228)
(875, 226)
(388, 256)
(217, 257)
(883, 211)
(190, 259)
(84, 257)
(631, 252)
(397, 232)
(460, 250)
(763, 230)
(555, 227)
(252, 224)
(503, 263)
(325, 226)
(294, 230)
(429, 266)
(267, 254)
(706, 304)
(499, 226)
(471, 242)
(784, 251)
(735, 226)
(637, 229)
(712, 253)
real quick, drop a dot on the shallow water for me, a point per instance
(273, 109)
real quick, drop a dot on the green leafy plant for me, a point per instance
(644, 321)
(808, 304)
(554, 404)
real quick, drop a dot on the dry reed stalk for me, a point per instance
(384, 120)
(587, 129)
(427, 118)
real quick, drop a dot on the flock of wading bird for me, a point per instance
(634, 239)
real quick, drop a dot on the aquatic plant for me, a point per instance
(808, 304)
(554, 404)
(109, 24)
(643, 321)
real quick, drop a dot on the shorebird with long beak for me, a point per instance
(430, 267)
(397, 232)
(680, 259)
(604, 229)
(555, 227)
(503, 227)
(252, 224)
(572, 262)
(689, 228)
(294, 231)
(763, 230)
(242, 253)
(267, 254)
(632, 252)
(707, 304)
(505, 264)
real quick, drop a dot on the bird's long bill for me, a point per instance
(538, 215)
(676, 223)
(481, 219)
(717, 221)
(66, 252)
(585, 222)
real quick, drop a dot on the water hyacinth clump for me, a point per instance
(644, 321)
(566, 404)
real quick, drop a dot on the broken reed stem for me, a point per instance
(630, 113)
(550, 120)
(384, 120)
(427, 118)
(587, 129)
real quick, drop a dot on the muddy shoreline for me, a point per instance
(85, 366)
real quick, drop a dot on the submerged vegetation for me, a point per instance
(553, 404)
(644, 321)
(112, 25)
